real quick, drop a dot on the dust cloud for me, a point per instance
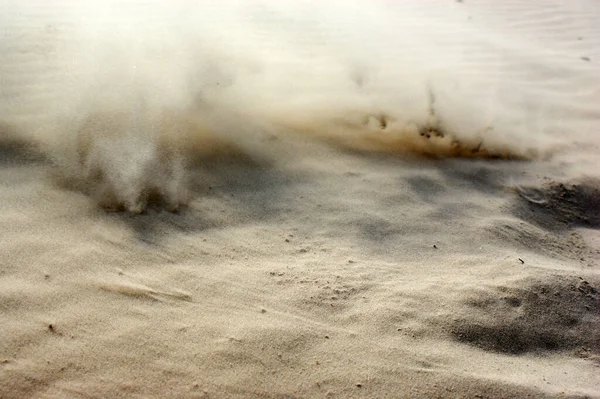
(122, 97)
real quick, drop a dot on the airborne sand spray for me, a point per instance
(123, 96)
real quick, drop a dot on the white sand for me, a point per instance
(317, 252)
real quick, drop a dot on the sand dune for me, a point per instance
(392, 199)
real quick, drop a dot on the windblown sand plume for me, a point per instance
(133, 96)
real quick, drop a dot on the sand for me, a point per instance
(386, 199)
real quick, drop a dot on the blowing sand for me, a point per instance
(296, 199)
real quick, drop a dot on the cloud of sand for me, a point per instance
(138, 90)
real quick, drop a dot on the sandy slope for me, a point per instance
(307, 269)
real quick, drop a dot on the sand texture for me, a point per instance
(302, 199)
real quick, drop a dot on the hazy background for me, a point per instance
(122, 95)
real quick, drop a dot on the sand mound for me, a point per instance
(559, 205)
(536, 317)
